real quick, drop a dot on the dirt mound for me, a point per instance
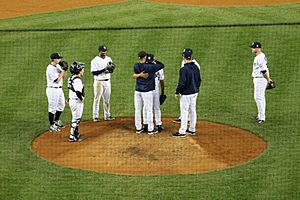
(114, 147)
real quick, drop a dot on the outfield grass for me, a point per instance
(226, 97)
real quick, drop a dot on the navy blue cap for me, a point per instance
(102, 47)
(142, 54)
(150, 58)
(187, 53)
(255, 45)
(55, 56)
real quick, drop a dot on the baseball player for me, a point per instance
(187, 92)
(144, 92)
(178, 120)
(56, 99)
(159, 85)
(102, 86)
(76, 98)
(261, 78)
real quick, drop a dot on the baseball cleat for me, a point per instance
(153, 131)
(190, 132)
(96, 119)
(79, 139)
(59, 124)
(178, 135)
(109, 118)
(160, 128)
(139, 131)
(53, 128)
(260, 121)
(177, 121)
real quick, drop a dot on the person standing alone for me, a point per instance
(102, 86)
(261, 78)
(187, 92)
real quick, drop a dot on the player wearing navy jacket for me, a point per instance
(144, 92)
(187, 92)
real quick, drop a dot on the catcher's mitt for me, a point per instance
(110, 67)
(162, 98)
(270, 85)
(64, 65)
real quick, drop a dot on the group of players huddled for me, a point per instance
(149, 92)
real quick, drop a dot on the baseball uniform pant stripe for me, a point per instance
(188, 108)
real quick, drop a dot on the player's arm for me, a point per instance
(140, 75)
(264, 69)
(181, 82)
(78, 88)
(266, 75)
(162, 86)
(61, 75)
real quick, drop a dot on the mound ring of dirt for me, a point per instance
(114, 147)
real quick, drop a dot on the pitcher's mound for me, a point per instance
(114, 147)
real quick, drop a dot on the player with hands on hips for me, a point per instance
(101, 67)
(261, 78)
(158, 98)
(187, 92)
(55, 95)
(76, 99)
(144, 92)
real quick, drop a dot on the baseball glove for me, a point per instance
(64, 65)
(270, 85)
(110, 67)
(162, 98)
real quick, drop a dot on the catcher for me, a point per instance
(158, 99)
(261, 80)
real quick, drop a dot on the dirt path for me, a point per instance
(15, 8)
(114, 147)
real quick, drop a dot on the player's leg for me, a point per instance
(76, 108)
(60, 108)
(259, 96)
(148, 103)
(156, 106)
(106, 99)
(138, 104)
(144, 119)
(193, 113)
(184, 111)
(52, 97)
(97, 94)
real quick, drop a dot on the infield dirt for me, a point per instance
(114, 147)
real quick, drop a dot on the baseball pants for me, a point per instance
(188, 108)
(260, 85)
(101, 89)
(76, 107)
(56, 99)
(156, 107)
(146, 99)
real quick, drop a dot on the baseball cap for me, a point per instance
(187, 53)
(255, 45)
(150, 57)
(142, 54)
(55, 56)
(102, 47)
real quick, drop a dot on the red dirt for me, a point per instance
(15, 8)
(114, 147)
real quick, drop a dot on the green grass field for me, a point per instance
(226, 96)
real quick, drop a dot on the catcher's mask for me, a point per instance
(76, 67)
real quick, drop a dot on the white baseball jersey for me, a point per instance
(194, 60)
(159, 76)
(99, 64)
(52, 74)
(259, 65)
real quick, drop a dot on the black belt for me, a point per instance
(103, 80)
(75, 98)
(258, 77)
(54, 87)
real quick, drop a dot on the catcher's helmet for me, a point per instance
(76, 67)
